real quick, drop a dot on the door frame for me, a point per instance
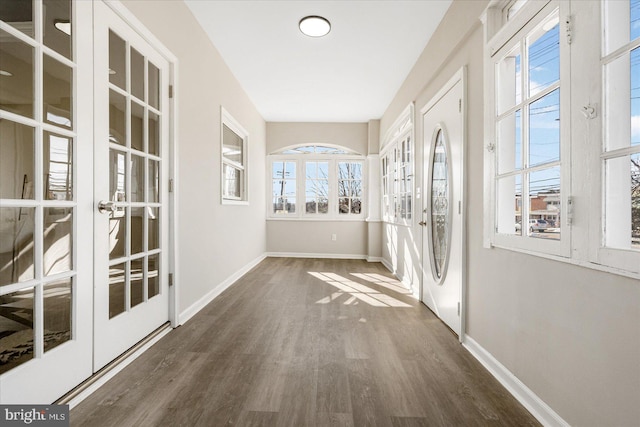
(173, 267)
(459, 76)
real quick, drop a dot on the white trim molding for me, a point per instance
(523, 394)
(194, 308)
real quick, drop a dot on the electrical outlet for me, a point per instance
(334, 237)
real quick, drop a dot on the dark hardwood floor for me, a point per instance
(306, 342)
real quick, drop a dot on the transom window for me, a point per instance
(316, 182)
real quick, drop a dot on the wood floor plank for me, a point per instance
(306, 342)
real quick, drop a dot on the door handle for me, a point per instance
(106, 206)
(423, 223)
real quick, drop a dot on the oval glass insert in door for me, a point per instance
(440, 203)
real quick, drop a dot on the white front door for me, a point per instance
(443, 245)
(46, 192)
(131, 169)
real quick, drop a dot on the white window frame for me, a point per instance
(301, 180)
(509, 37)
(391, 153)
(583, 179)
(226, 119)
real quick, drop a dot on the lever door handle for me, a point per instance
(423, 223)
(106, 206)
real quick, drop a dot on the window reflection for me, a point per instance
(16, 245)
(16, 329)
(58, 240)
(16, 86)
(57, 26)
(58, 99)
(58, 167)
(137, 281)
(116, 290)
(57, 298)
(17, 161)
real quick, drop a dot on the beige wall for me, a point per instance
(351, 236)
(571, 334)
(215, 241)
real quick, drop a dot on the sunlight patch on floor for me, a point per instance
(357, 292)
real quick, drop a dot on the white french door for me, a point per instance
(443, 245)
(46, 153)
(131, 198)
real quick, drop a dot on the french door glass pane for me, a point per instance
(137, 126)
(58, 240)
(16, 329)
(154, 134)
(58, 167)
(154, 228)
(17, 61)
(117, 61)
(18, 14)
(116, 290)
(16, 245)
(137, 178)
(117, 176)
(137, 74)
(57, 313)
(17, 160)
(57, 26)
(153, 288)
(117, 233)
(154, 181)
(137, 230)
(117, 118)
(635, 91)
(58, 93)
(137, 281)
(154, 86)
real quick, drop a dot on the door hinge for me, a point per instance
(459, 105)
(170, 91)
(459, 207)
(458, 308)
(171, 185)
(569, 28)
(170, 279)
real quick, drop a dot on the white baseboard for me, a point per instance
(314, 255)
(386, 263)
(374, 259)
(194, 308)
(522, 393)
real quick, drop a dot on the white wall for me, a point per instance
(215, 241)
(285, 236)
(571, 334)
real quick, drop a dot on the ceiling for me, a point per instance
(350, 75)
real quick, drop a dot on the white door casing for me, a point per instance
(444, 271)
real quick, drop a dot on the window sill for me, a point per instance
(578, 263)
(235, 202)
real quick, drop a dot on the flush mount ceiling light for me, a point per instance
(314, 26)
